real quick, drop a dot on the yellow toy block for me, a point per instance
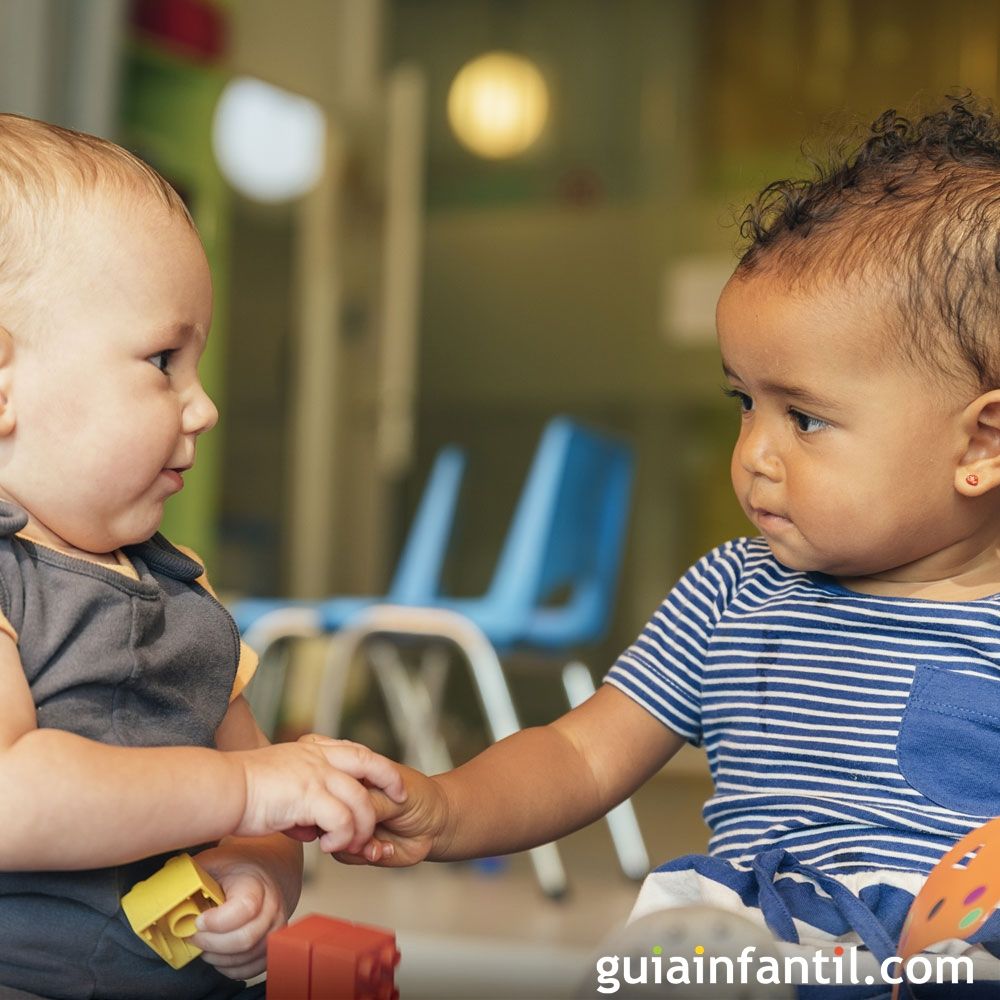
(162, 909)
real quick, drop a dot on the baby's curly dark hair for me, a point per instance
(915, 207)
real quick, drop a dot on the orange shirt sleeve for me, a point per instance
(5, 626)
(245, 671)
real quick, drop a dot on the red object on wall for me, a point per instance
(322, 958)
(191, 27)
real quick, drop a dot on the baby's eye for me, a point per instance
(805, 423)
(746, 403)
(161, 360)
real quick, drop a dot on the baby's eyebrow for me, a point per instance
(184, 329)
(800, 395)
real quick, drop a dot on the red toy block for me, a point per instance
(288, 960)
(321, 958)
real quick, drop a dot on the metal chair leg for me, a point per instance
(414, 709)
(435, 661)
(487, 675)
(266, 690)
(340, 652)
(622, 820)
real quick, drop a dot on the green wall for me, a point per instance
(166, 119)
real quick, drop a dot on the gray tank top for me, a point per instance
(131, 662)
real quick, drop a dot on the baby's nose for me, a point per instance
(757, 454)
(201, 413)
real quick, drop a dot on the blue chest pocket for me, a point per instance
(949, 740)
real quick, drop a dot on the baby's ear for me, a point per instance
(7, 420)
(978, 471)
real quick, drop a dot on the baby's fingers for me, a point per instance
(304, 834)
(242, 906)
(376, 852)
(232, 935)
(361, 763)
(345, 815)
(371, 853)
(385, 808)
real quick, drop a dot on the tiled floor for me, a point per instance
(469, 933)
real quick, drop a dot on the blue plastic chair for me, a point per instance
(566, 538)
(263, 622)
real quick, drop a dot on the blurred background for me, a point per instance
(415, 242)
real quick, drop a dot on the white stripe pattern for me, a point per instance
(857, 732)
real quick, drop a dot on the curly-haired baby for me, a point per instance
(842, 667)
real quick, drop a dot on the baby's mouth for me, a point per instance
(767, 519)
(175, 476)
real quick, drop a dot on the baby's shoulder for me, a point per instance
(742, 565)
(721, 573)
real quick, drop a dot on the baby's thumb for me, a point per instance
(385, 808)
(244, 899)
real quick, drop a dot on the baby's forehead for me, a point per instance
(870, 312)
(815, 286)
(78, 230)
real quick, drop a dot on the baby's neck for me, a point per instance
(49, 541)
(932, 590)
(38, 533)
(978, 578)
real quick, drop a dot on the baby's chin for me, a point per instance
(813, 562)
(117, 537)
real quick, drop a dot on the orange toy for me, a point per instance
(958, 896)
(321, 958)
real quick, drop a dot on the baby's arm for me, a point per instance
(69, 802)
(530, 788)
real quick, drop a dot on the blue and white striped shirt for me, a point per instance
(858, 733)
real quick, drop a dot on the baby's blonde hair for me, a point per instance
(46, 171)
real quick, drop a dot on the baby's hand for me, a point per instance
(316, 784)
(409, 830)
(233, 935)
